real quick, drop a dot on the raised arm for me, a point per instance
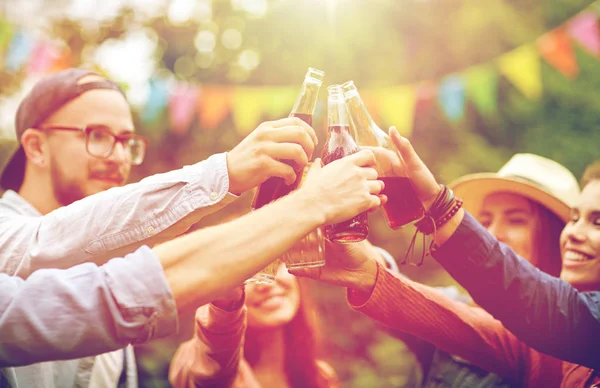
(213, 357)
(85, 310)
(545, 312)
(454, 327)
(154, 210)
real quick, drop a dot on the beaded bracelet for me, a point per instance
(445, 206)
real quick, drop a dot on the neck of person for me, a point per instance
(37, 190)
(270, 366)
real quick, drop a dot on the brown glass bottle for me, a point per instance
(403, 206)
(339, 144)
(275, 187)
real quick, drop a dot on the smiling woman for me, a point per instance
(279, 342)
(580, 241)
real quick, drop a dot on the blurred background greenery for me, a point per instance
(270, 43)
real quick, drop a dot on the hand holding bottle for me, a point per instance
(423, 181)
(261, 154)
(342, 189)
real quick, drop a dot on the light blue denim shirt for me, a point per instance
(82, 311)
(95, 229)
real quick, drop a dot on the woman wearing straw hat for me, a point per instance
(525, 205)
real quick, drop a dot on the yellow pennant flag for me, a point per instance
(247, 108)
(523, 69)
(279, 101)
(396, 106)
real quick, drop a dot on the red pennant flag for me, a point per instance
(42, 58)
(556, 48)
(182, 105)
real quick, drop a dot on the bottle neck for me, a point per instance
(367, 132)
(307, 99)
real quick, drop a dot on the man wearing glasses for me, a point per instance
(77, 141)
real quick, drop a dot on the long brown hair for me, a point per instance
(301, 336)
(547, 240)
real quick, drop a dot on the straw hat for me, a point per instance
(537, 178)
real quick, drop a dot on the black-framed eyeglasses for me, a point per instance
(100, 141)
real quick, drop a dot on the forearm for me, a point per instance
(421, 311)
(212, 357)
(85, 310)
(208, 262)
(545, 312)
(112, 223)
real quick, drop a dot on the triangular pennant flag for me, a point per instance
(426, 93)
(19, 51)
(585, 29)
(42, 58)
(279, 101)
(482, 88)
(396, 106)
(522, 68)
(247, 108)
(6, 31)
(451, 95)
(555, 47)
(214, 104)
(157, 101)
(62, 61)
(182, 105)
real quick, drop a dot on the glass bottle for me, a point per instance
(339, 144)
(403, 206)
(275, 187)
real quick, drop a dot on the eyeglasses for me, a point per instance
(100, 142)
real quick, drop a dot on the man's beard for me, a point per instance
(65, 192)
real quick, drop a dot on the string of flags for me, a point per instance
(211, 105)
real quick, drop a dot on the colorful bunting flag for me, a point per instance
(182, 106)
(18, 51)
(6, 31)
(157, 101)
(396, 106)
(247, 108)
(451, 95)
(482, 88)
(585, 29)
(214, 105)
(43, 57)
(522, 68)
(279, 101)
(555, 47)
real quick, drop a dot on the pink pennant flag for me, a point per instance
(585, 29)
(182, 106)
(42, 58)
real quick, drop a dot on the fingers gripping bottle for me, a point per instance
(275, 187)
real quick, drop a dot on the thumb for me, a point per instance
(299, 272)
(315, 166)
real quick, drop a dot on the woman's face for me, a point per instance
(511, 219)
(273, 305)
(580, 241)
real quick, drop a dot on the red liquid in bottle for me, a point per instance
(403, 205)
(356, 229)
(275, 187)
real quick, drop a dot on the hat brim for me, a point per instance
(474, 188)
